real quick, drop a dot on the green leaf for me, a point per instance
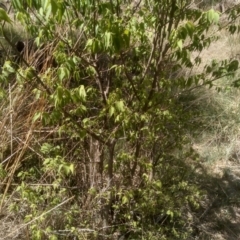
(3, 172)
(111, 111)
(82, 92)
(125, 200)
(46, 148)
(54, 7)
(37, 116)
(4, 16)
(212, 16)
(232, 29)
(107, 39)
(8, 68)
(48, 11)
(30, 73)
(170, 213)
(233, 66)
(63, 73)
(216, 17)
(119, 106)
(53, 237)
(45, 4)
(60, 92)
(89, 44)
(236, 83)
(71, 168)
(180, 44)
(190, 28)
(95, 46)
(126, 36)
(183, 33)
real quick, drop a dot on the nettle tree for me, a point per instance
(109, 93)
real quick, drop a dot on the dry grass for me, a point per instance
(16, 138)
(218, 144)
(219, 217)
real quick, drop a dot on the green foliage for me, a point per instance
(40, 199)
(2, 172)
(4, 16)
(121, 128)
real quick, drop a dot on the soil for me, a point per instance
(219, 214)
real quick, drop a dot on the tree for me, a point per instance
(110, 86)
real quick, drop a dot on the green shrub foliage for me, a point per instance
(118, 150)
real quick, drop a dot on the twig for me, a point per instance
(11, 111)
(208, 208)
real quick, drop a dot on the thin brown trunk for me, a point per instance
(110, 183)
(95, 159)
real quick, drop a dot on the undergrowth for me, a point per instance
(99, 138)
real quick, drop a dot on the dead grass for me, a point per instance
(219, 215)
(16, 138)
(218, 144)
(10, 227)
